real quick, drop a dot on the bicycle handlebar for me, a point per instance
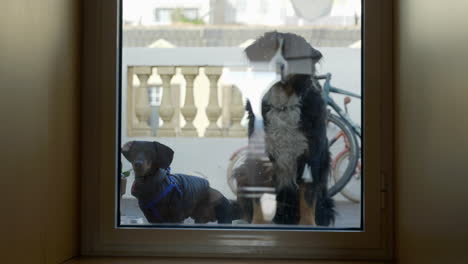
(331, 89)
(340, 91)
(323, 76)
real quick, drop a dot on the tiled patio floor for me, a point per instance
(348, 214)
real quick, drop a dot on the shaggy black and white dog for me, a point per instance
(295, 114)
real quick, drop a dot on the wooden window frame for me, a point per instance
(100, 236)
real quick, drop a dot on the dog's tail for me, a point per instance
(325, 212)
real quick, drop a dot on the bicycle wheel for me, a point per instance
(237, 159)
(341, 139)
(352, 190)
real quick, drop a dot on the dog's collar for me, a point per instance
(283, 108)
(159, 173)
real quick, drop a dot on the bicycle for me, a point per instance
(340, 129)
(346, 164)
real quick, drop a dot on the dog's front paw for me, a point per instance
(268, 206)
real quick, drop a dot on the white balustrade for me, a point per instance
(222, 115)
(190, 61)
(142, 107)
(213, 111)
(189, 110)
(139, 109)
(237, 111)
(166, 110)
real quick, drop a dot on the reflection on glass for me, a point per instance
(241, 114)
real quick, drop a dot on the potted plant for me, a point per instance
(123, 181)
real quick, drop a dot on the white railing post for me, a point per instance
(142, 104)
(237, 113)
(166, 109)
(213, 111)
(189, 110)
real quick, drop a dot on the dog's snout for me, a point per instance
(138, 164)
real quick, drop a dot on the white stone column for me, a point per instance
(237, 113)
(189, 110)
(142, 104)
(213, 111)
(166, 109)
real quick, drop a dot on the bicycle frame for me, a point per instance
(341, 134)
(326, 90)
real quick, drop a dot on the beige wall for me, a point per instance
(39, 80)
(432, 126)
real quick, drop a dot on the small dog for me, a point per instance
(172, 198)
(294, 115)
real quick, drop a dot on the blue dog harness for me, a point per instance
(152, 204)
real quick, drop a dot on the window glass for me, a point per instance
(241, 114)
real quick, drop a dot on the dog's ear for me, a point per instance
(316, 55)
(164, 155)
(127, 150)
